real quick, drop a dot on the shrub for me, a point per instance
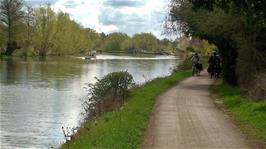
(190, 49)
(108, 92)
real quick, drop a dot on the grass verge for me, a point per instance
(250, 115)
(124, 128)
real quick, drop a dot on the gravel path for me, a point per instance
(185, 117)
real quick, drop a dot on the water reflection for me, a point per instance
(38, 97)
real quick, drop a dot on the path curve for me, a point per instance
(184, 117)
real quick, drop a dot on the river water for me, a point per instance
(38, 97)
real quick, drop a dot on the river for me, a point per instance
(38, 97)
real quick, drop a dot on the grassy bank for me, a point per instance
(124, 127)
(250, 115)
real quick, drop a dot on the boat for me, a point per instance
(90, 55)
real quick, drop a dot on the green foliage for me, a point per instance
(27, 27)
(249, 114)
(94, 39)
(45, 28)
(26, 52)
(139, 43)
(10, 16)
(191, 49)
(191, 45)
(3, 36)
(145, 41)
(167, 46)
(252, 10)
(57, 34)
(128, 45)
(64, 34)
(54, 33)
(124, 128)
(235, 27)
(69, 37)
(113, 42)
(114, 85)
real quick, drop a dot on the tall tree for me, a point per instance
(145, 41)
(236, 27)
(45, 29)
(113, 42)
(3, 37)
(11, 15)
(29, 22)
(94, 39)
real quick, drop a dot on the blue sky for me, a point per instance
(128, 16)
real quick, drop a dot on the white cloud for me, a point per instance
(39, 2)
(129, 16)
(107, 28)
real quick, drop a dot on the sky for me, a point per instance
(128, 16)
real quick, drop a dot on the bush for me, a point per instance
(190, 49)
(257, 89)
(25, 52)
(108, 92)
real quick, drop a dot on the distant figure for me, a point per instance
(214, 68)
(196, 65)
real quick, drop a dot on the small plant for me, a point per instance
(107, 92)
(184, 65)
(69, 132)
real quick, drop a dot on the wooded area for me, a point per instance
(40, 31)
(237, 28)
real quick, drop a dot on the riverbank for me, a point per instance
(54, 86)
(124, 128)
(137, 53)
(2, 56)
(249, 115)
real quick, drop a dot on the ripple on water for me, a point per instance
(39, 97)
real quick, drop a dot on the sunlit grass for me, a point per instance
(249, 114)
(124, 128)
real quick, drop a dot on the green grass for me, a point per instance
(250, 115)
(124, 128)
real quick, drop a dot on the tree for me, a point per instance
(45, 28)
(94, 39)
(113, 42)
(217, 27)
(29, 22)
(236, 27)
(11, 15)
(145, 41)
(3, 38)
(128, 45)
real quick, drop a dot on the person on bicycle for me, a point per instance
(217, 63)
(211, 65)
(214, 65)
(195, 61)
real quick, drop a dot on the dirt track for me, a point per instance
(185, 117)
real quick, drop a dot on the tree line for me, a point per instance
(236, 27)
(139, 43)
(40, 31)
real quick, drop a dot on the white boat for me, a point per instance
(90, 55)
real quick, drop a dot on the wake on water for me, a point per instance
(115, 57)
